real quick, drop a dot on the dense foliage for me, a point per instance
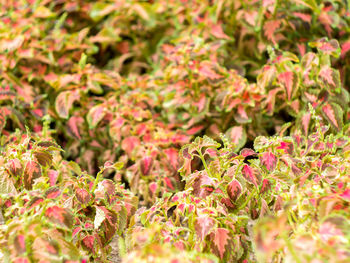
(175, 131)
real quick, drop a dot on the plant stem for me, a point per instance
(238, 168)
(204, 163)
(98, 176)
(248, 199)
(291, 249)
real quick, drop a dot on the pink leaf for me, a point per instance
(287, 79)
(200, 104)
(109, 186)
(305, 121)
(234, 189)
(251, 17)
(76, 231)
(227, 202)
(346, 194)
(88, 241)
(64, 102)
(186, 154)
(303, 16)
(13, 44)
(217, 32)
(287, 147)
(237, 134)
(146, 165)
(53, 193)
(32, 171)
(153, 187)
(82, 195)
(206, 70)
(269, 29)
(19, 243)
(53, 175)
(21, 260)
(95, 115)
(330, 47)
(241, 116)
(169, 183)
(173, 156)
(278, 203)
(195, 129)
(203, 185)
(302, 49)
(333, 113)
(269, 160)
(345, 48)
(59, 215)
(35, 201)
(203, 225)
(73, 123)
(14, 166)
(110, 216)
(221, 237)
(328, 230)
(326, 73)
(247, 152)
(130, 143)
(248, 174)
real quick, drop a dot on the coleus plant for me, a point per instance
(69, 77)
(212, 99)
(313, 225)
(288, 25)
(300, 181)
(213, 213)
(73, 23)
(149, 249)
(186, 68)
(291, 84)
(57, 211)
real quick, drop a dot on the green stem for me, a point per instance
(290, 220)
(204, 163)
(248, 199)
(97, 179)
(291, 249)
(238, 169)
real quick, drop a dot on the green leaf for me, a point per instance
(121, 246)
(123, 217)
(289, 56)
(43, 157)
(118, 165)
(280, 176)
(75, 167)
(261, 143)
(82, 61)
(61, 21)
(266, 77)
(6, 184)
(43, 12)
(100, 9)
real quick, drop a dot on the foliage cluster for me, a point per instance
(218, 131)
